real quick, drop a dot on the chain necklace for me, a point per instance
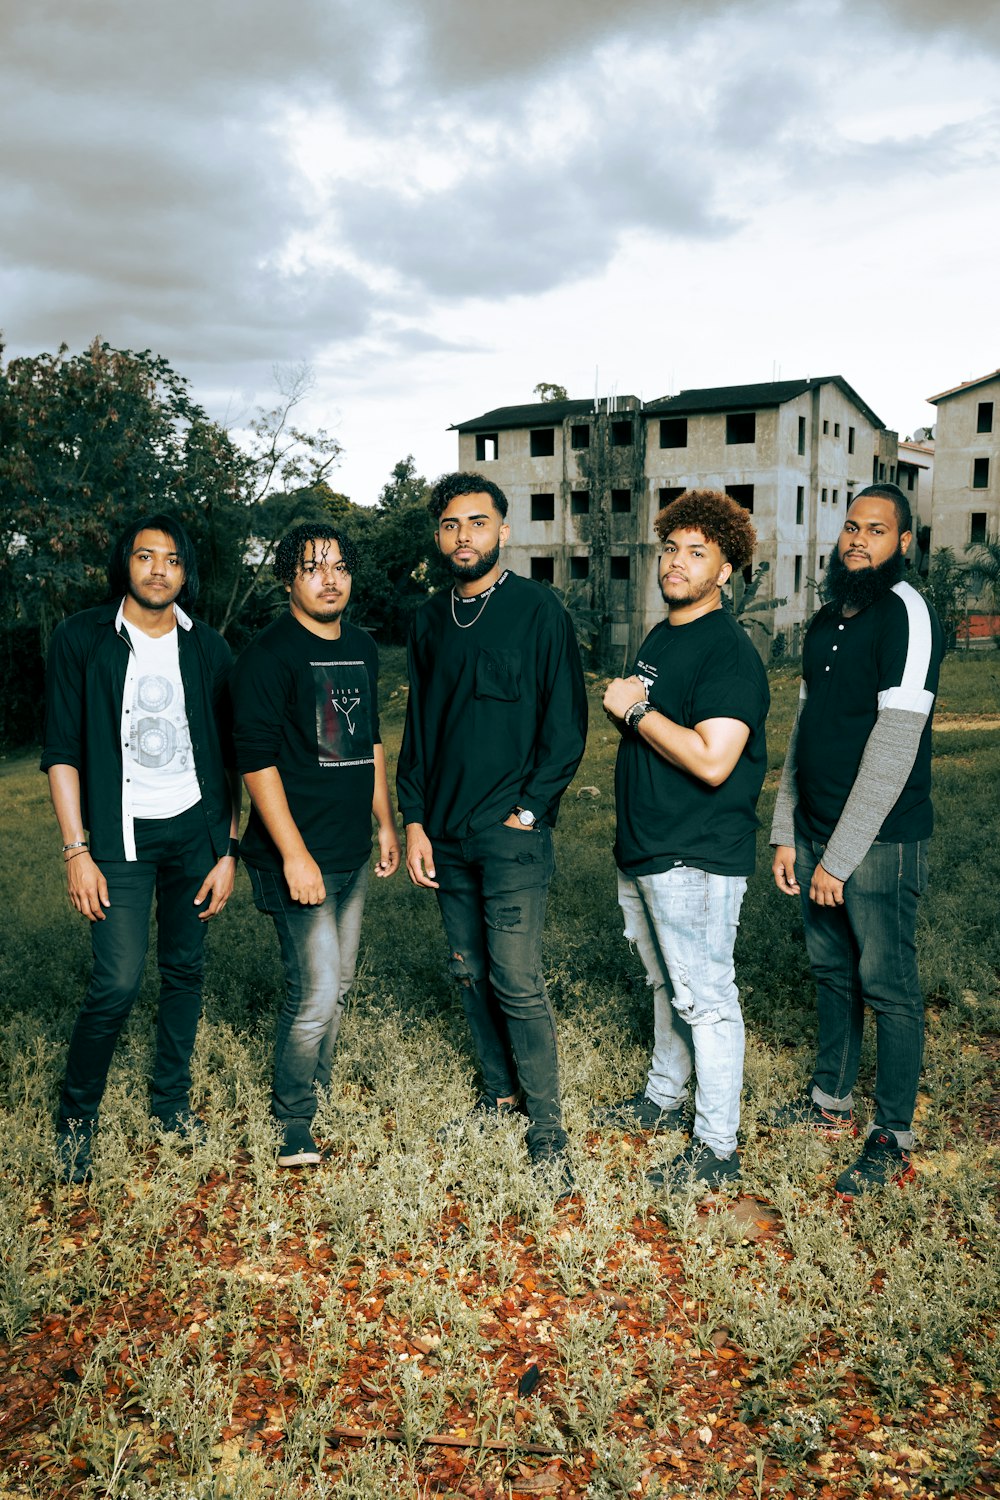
(467, 624)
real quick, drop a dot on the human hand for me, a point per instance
(304, 880)
(420, 857)
(88, 889)
(826, 889)
(389, 850)
(783, 870)
(219, 884)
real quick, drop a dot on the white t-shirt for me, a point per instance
(160, 779)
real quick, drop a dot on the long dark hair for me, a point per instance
(121, 552)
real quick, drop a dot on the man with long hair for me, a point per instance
(137, 745)
(851, 824)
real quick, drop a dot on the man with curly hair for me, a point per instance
(307, 742)
(690, 767)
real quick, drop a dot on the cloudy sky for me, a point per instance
(436, 206)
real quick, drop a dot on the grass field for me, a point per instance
(194, 1323)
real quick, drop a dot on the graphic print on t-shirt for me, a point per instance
(159, 731)
(343, 713)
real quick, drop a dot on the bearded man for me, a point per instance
(496, 724)
(851, 824)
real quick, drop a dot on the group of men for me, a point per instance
(149, 729)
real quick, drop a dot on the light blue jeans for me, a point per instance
(319, 950)
(683, 923)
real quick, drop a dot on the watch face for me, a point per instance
(526, 819)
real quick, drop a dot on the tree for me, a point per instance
(946, 585)
(399, 564)
(85, 442)
(546, 391)
(984, 571)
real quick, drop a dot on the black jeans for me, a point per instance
(493, 890)
(174, 856)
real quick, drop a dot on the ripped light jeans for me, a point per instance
(683, 923)
(493, 888)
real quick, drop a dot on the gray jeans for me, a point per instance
(319, 949)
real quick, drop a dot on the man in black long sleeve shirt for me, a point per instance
(495, 728)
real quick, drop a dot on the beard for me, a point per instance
(856, 590)
(470, 572)
(160, 600)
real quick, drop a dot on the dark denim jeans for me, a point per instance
(493, 890)
(174, 856)
(319, 950)
(864, 952)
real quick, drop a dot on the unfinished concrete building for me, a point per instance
(585, 480)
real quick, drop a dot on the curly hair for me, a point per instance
(717, 517)
(290, 556)
(450, 486)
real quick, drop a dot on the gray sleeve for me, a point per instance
(885, 765)
(783, 819)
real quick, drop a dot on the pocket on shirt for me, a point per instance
(498, 674)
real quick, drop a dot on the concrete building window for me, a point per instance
(892, 473)
(621, 502)
(543, 442)
(984, 417)
(674, 432)
(543, 569)
(543, 507)
(579, 435)
(911, 479)
(850, 439)
(742, 494)
(826, 427)
(835, 496)
(741, 427)
(822, 496)
(802, 434)
(800, 505)
(671, 492)
(977, 527)
(487, 447)
(621, 434)
(579, 567)
(980, 473)
(822, 561)
(621, 567)
(836, 429)
(579, 503)
(798, 576)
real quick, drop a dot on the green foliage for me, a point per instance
(400, 564)
(984, 572)
(946, 585)
(546, 391)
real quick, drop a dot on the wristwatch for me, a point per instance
(635, 712)
(525, 817)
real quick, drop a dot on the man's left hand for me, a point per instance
(621, 694)
(219, 883)
(825, 889)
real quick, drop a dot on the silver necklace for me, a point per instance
(467, 624)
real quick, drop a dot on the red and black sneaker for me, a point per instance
(882, 1162)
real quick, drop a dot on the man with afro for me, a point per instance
(690, 767)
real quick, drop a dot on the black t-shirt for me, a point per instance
(886, 657)
(706, 669)
(310, 707)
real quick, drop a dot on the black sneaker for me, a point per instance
(637, 1113)
(551, 1166)
(298, 1149)
(73, 1162)
(832, 1123)
(883, 1162)
(185, 1123)
(697, 1166)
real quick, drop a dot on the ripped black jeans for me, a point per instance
(493, 890)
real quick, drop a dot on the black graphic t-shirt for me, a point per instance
(310, 707)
